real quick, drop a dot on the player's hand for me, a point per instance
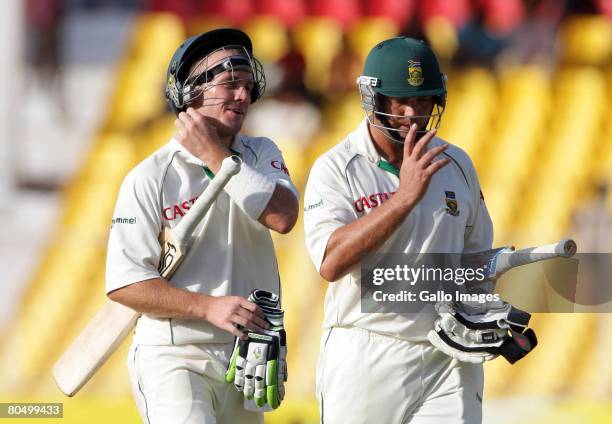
(418, 166)
(197, 133)
(258, 366)
(227, 312)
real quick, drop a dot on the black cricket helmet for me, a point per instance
(183, 85)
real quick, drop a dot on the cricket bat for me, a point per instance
(113, 322)
(498, 261)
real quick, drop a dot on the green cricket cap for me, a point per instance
(404, 67)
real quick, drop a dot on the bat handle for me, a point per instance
(566, 248)
(230, 166)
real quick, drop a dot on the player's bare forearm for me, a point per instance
(350, 243)
(281, 213)
(157, 297)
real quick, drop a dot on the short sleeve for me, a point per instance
(133, 246)
(271, 163)
(327, 207)
(479, 236)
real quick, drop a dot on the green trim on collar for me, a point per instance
(208, 172)
(389, 167)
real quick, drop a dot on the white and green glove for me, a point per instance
(258, 366)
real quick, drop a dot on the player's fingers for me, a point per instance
(237, 319)
(194, 114)
(409, 140)
(185, 119)
(258, 323)
(231, 328)
(251, 320)
(437, 165)
(421, 146)
(245, 323)
(252, 307)
(432, 153)
(180, 125)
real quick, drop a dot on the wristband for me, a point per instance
(251, 190)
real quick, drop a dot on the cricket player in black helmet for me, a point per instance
(206, 337)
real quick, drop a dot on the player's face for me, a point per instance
(408, 110)
(227, 97)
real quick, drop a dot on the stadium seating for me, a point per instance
(270, 37)
(399, 11)
(289, 12)
(319, 39)
(587, 40)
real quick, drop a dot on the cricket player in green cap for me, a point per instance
(392, 186)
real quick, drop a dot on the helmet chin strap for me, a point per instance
(391, 134)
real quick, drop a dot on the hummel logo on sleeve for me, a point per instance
(123, 221)
(314, 206)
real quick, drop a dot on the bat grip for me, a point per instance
(566, 248)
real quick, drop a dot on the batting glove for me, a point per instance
(477, 337)
(258, 365)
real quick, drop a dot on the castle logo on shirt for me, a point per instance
(280, 166)
(452, 207)
(170, 213)
(371, 201)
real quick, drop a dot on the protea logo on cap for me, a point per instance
(415, 73)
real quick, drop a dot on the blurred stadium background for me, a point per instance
(530, 98)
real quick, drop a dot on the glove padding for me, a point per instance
(471, 334)
(258, 365)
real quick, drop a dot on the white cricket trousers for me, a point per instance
(186, 385)
(366, 377)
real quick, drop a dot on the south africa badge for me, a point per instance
(415, 73)
(452, 207)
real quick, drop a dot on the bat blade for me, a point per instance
(114, 322)
(172, 254)
(93, 346)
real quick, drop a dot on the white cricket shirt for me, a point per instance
(351, 180)
(232, 255)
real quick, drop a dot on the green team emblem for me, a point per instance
(415, 73)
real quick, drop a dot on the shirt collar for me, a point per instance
(236, 148)
(190, 158)
(360, 142)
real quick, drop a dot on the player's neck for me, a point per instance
(389, 150)
(227, 141)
